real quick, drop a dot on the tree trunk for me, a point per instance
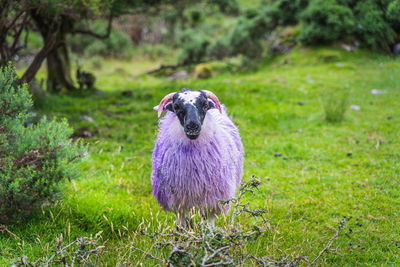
(49, 44)
(59, 77)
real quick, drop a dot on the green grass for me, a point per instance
(306, 191)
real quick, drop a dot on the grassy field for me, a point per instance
(326, 170)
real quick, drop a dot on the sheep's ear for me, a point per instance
(211, 104)
(169, 107)
(166, 107)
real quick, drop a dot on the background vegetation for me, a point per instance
(313, 86)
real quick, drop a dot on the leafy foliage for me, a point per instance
(248, 32)
(246, 36)
(372, 28)
(194, 46)
(374, 23)
(326, 21)
(393, 14)
(286, 12)
(118, 44)
(35, 159)
(230, 7)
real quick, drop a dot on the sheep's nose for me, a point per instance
(192, 126)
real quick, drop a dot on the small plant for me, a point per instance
(34, 160)
(335, 104)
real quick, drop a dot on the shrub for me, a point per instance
(372, 29)
(326, 21)
(194, 46)
(154, 51)
(249, 31)
(118, 44)
(286, 12)
(393, 14)
(230, 7)
(34, 160)
(194, 16)
(219, 48)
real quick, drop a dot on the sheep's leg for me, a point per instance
(211, 221)
(183, 220)
(209, 217)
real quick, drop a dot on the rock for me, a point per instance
(396, 49)
(202, 71)
(83, 133)
(347, 47)
(278, 154)
(377, 91)
(87, 118)
(97, 92)
(355, 107)
(179, 75)
(301, 103)
(349, 154)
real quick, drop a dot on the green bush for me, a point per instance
(372, 29)
(286, 12)
(34, 160)
(194, 46)
(326, 21)
(230, 7)
(393, 14)
(219, 48)
(194, 16)
(246, 37)
(154, 51)
(118, 44)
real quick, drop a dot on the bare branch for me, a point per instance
(328, 245)
(18, 34)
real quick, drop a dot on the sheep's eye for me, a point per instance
(205, 107)
(176, 108)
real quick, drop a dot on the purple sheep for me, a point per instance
(197, 157)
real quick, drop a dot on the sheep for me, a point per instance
(198, 156)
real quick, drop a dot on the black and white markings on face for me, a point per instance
(191, 107)
(189, 97)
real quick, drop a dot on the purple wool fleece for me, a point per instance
(197, 173)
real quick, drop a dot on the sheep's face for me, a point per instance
(190, 107)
